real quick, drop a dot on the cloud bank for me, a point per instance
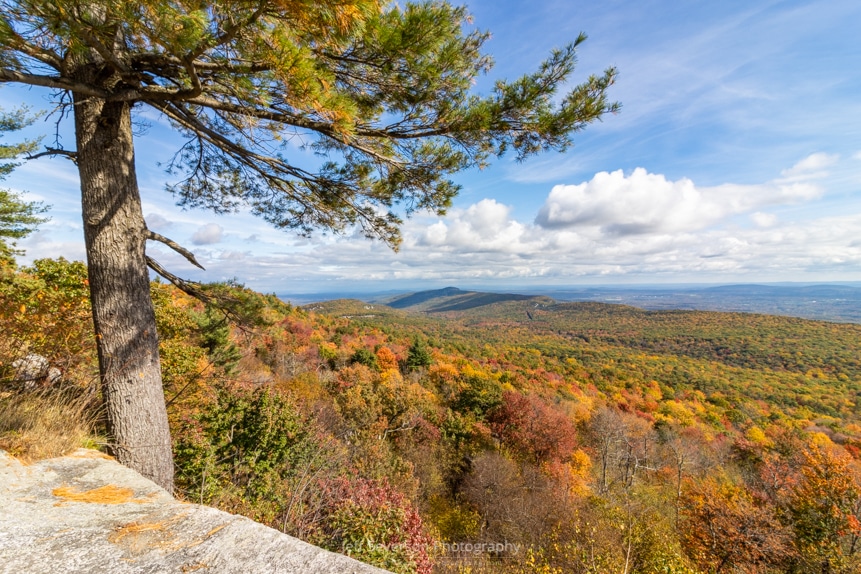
(634, 227)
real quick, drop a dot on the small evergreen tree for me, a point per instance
(365, 357)
(18, 218)
(418, 356)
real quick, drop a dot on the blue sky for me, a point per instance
(736, 157)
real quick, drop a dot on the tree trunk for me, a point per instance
(115, 235)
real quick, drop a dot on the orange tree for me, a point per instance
(826, 507)
(725, 529)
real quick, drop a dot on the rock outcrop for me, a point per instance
(35, 370)
(86, 513)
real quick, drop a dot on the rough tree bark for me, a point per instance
(115, 236)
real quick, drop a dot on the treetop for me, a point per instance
(382, 94)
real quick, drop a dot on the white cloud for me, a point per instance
(44, 244)
(641, 203)
(485, 226)
(208, 234)
(764, 219)
(233, 256)
(811, 167)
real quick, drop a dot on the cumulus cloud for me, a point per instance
(485, 226)
(641, 203)
(208, 234)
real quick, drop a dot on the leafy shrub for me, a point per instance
(237, 452)
(366, 358)
(45, 310)
(372, 522)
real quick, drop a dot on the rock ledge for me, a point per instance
(86, 513)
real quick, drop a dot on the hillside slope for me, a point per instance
(451, 299)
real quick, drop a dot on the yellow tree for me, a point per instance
(826, 508)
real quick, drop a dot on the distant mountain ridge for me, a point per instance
(824, 302)
(413, 299)
(829, 302)
(450, 299)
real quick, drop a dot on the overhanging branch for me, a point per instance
(56, 82)
(43, 55)
(176, 247)
(188, 287)
(50, 151)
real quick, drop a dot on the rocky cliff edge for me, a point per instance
(86, 513)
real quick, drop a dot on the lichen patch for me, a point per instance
(108, 494)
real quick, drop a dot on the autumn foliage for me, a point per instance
(402, 440)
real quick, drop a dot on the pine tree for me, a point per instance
(381, 92)
(418, 356)
(18, 218)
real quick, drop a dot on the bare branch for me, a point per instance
(196, 88)
(50, 151)
(188, 287)
(154, 93)
(165, 61)
(175, 246)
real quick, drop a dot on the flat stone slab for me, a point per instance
(86, 513)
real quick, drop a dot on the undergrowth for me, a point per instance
(36, 426)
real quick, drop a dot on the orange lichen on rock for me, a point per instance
(108, 494)
(136, 528)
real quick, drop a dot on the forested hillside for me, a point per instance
(518, 436)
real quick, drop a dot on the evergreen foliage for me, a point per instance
(418, 356)
(18, 218)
